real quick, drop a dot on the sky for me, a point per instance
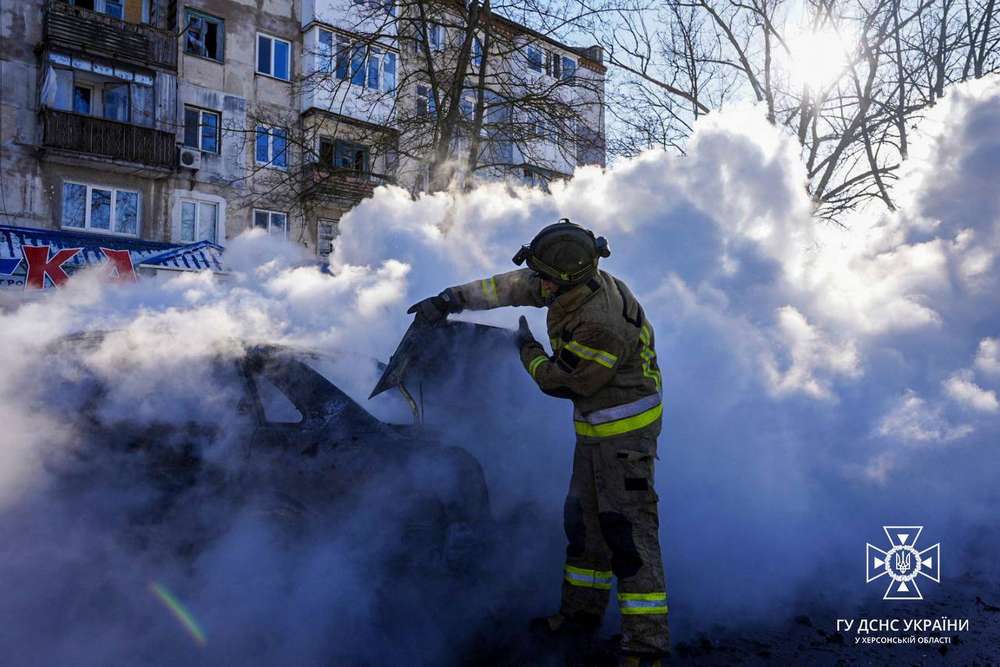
(819, 382)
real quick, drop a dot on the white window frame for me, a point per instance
(198, 203)
(218, 129)
(270, 213)
(269, 163)
(256, 56)
(176, 212)
(110, 231)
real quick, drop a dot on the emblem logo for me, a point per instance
(903, 563)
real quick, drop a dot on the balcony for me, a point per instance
(108, 139)
(88, 32)
(345, 187)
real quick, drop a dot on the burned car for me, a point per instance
(280, 444)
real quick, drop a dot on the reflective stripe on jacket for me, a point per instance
(603, 355)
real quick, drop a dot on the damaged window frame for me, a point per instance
(62, 80)
(196, 33)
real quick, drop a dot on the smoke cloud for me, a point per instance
(819, 382)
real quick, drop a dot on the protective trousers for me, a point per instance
(613, 529)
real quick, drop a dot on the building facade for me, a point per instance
(190, 121)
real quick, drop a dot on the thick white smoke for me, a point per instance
(819, 382)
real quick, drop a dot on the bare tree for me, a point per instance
(894, 59)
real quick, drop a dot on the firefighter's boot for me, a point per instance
(575, 638)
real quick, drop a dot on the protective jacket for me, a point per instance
(603, 355)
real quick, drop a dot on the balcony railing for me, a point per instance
(346, 186)
(86, 31)
(108, 139)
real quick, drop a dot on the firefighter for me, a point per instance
(603, 359)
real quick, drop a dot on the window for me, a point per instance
(327, 151)
(545, 128)
(425, 101)
(389, 71)
(122, 95)
(199, 221)
(82, 99)
(387, 6)
(497, 108)
(277, 407)
(468, 106)
(347, 155)
(435, 36)
(553, 64)
(100, 208)
(116, 101)
(274, 57)
(114, 8)
(354, 157)
(201, 129)
(274, 222)
(327, 231)
(204, 36)
(477, 52)
(534, 55)
(568, 68)
(366, 66)
(270, 147)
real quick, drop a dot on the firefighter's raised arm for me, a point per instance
(514, 288)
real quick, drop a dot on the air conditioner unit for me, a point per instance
(189, 158)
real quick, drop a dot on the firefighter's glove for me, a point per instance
(433, 309)
(524, 337)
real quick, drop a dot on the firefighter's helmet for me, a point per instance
(564, 253)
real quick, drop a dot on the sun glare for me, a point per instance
(816, 59)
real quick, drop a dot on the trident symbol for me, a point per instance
(902, 562)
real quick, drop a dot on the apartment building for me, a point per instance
(183, 123)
